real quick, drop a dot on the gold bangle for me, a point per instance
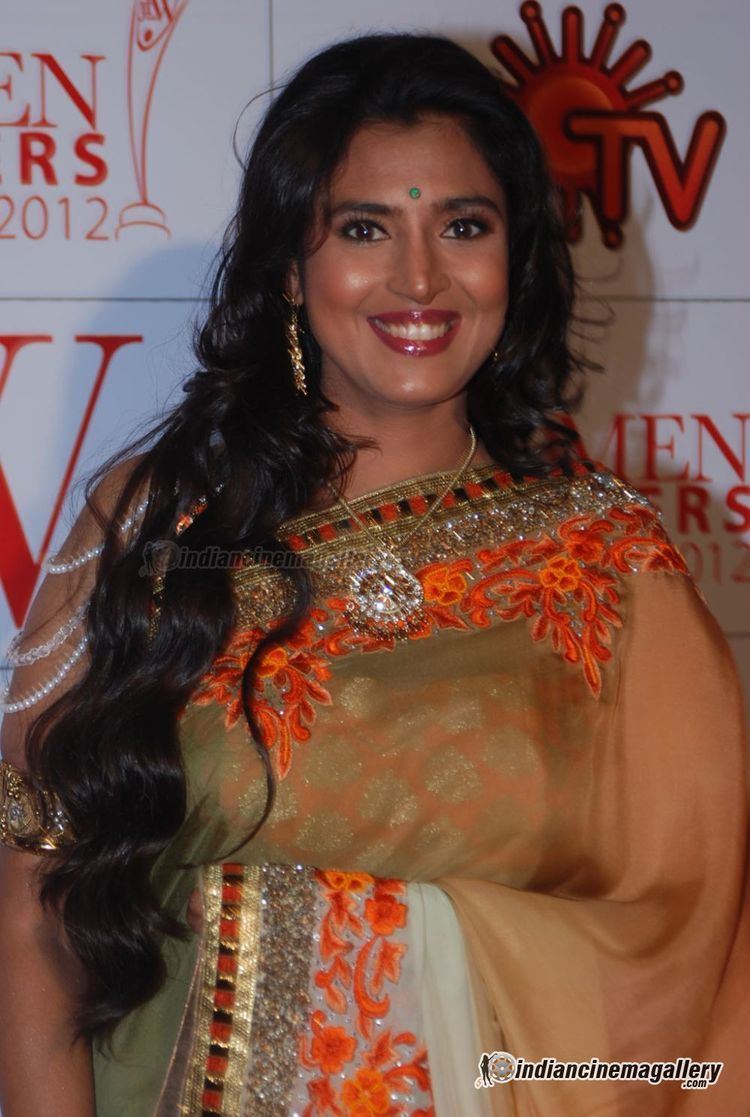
(31, 818)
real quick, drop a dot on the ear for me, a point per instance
(293, 284)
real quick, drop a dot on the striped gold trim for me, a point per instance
(246, 978)
(253, 992)
(232, 910)
(388, 494)
(192, 1102)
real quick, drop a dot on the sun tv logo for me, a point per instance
(589, 121)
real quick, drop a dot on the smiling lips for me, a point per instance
(416, 333)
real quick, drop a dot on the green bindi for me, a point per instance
(415, 192)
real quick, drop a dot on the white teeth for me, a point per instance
(414, 331)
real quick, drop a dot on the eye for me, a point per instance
(466, 228)
(362, 231)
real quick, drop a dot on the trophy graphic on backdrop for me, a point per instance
(151, 25)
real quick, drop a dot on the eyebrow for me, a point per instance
(443, 205)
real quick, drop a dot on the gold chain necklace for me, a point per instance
(385, 598)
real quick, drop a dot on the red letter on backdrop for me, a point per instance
(19, 569)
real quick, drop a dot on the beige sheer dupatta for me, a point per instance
(645, 954)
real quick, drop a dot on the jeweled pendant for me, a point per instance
(385, 598)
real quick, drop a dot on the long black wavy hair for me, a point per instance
(246, 439)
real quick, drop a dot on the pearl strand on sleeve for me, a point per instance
(16, 658)
(51, 566)
(38, 692)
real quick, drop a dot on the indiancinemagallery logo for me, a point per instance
(498, 1068)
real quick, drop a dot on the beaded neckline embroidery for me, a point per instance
(487, 507)
(385, 598)
(412, 495)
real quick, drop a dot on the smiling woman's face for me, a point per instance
(407, 295)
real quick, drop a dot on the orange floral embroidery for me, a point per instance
(563, 583)
(444, 585)
(220, 683)
(322, 1098)
(643, 543)
(561, 573)
(366, 1095)
(385, 913)
(376, 961)
(295, 670)
(358, 956)
(331, 1048)
(337, 881)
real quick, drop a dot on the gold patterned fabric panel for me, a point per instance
(552, 554)
(462, 750)
(282, 997)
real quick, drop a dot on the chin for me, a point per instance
(416, 394)
(423, 381)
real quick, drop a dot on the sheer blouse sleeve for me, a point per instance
(48, 656)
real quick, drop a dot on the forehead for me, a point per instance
(435, 154)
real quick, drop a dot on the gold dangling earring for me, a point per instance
(293, 346)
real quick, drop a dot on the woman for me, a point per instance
(451, 754)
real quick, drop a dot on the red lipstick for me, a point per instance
(429, 331)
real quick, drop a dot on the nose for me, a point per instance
(418, 272)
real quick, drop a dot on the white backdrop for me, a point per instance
(117, 176)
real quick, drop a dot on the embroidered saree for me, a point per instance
(520, 830)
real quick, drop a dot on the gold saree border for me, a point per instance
(232, 912)
(243, 938)
(283, 997)
(254, 990)
(480, 513)
(513, 509)
(395, 493)
(191, 1102)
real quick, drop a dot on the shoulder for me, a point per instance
(565, 552)
(106, 493)
(601, 520)
(599, 540)
(50, 653)
(639, 537)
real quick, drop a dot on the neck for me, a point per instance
(408, 446)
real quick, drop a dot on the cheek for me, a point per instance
(335, 280)
(487, 280)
